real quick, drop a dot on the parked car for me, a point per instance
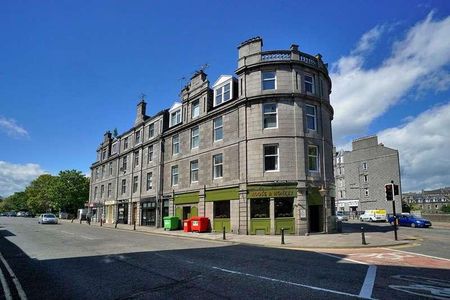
(341, 216)
(47, 219)
(373, 215)
(410, 220)
(11, 213)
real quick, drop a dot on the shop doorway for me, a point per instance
(148, 213)
(122, 212)
(134, 214)
(165, 211)
(315, 218)
(186, 212)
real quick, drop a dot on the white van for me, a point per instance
(374, 215)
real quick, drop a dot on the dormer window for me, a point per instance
(175, 114)
(223, 89)
(223, 94)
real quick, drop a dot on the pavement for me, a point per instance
(315, 241)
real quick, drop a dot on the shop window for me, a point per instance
(222, 209)
(260, 208)
(284, 207)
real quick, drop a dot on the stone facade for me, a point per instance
(360, 176)
(428, 202)
(253, 153)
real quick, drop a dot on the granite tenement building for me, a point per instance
(253, 151)
(360, 176)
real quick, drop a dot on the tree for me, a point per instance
(71, 191)
(17, 202)
(445, 209)
(41, 194)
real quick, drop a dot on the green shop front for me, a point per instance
(186, 205)
(272, 208)
(221, 200)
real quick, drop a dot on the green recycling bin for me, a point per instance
(171, 223)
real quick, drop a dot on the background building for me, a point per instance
(429, 202)
(253, 152)
(361, 174)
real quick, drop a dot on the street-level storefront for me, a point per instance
(122, 212)
(186, 205)
(221, 200)
(165, 210)
(148, 211)
(272, 208)
(109, 212)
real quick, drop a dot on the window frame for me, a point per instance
(125, 143)
(277, 157)
(317, 161)
(195, 137)
(269, 79)
(220, 91)
(109, 191)
(136, 158)
(195, 107)
(217, 165)
(309, 82)
(177, 137)
(137, 137)
(270, 113)
(151, 130)
(177, 114)
(135, 184)
(174, 175)
(149, 154)
(314, 117)
(124, 163)
(364, 165)
(193, 171)
(123, 187)
(149, 181)
(217, 128)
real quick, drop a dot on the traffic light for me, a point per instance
(396, 190)
(388, 188)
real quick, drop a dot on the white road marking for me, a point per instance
(19, 288)
(344, 258)
(369, 281)
(5, 286)
(382, 255)
(290, 283)
(424, 255)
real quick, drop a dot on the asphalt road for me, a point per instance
(73, 261)
(434, 241)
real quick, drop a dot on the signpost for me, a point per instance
(391, 190)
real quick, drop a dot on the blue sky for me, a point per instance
(70, 70)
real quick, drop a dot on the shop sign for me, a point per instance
(272, 193)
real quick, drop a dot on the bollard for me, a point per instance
(363, 236)
(134, 225)
(223, 233)
(282, 236)
(101, 222)
(72, 220)
(80, 220)
(115, 226)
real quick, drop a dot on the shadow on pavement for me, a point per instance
(225, 271)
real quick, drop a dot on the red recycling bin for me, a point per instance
(199, 224)
(187, 225)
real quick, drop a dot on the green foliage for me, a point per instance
(41, 194)
(71, 191)
(445, 209)
(66, 192)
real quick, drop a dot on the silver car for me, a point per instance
(48, 219)
(341, 216)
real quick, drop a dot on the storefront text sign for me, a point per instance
(272, 193)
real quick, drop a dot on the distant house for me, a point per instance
(429, 201)
(360, 176)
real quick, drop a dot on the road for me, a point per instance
(73, 261)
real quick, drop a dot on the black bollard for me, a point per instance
(101, 222)
(115, 226)
(134, 225)
(363, 236)
(223, 233)
(72, 220)
(282, 236)
(80, 220)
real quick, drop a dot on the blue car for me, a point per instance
(410, 220)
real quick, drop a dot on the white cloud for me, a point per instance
(11, 128)
(15, 177)
(360, 95)
(423, 145)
